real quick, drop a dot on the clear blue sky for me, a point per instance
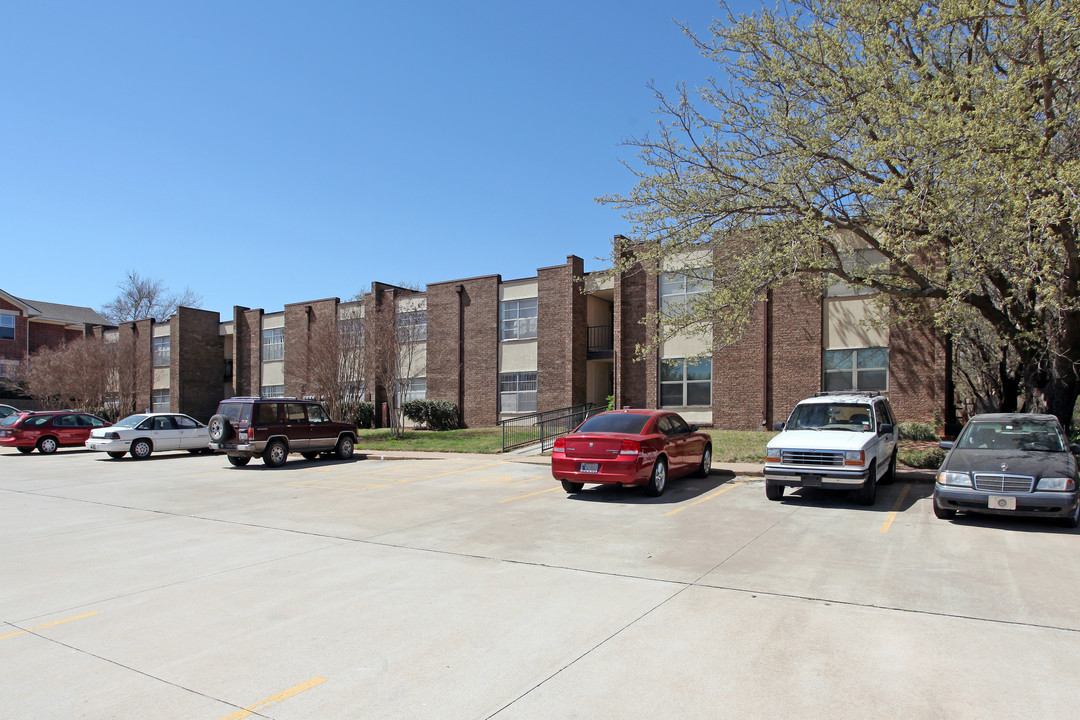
(266, 152)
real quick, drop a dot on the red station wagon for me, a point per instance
(631, 447)
(48, 430)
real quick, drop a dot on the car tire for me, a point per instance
(275, 454)
(706, 462)
(890, 475)
(658, 479)
(774, 491)
(239, 460)
(25, 450)
(1072, 520)
(867, 494)
(942, 513)
(345, 447)
(116, 455)
(219, 428)
(47, 445)
(310, 455)
(572, 487)
(141, 448)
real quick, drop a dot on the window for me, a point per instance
(351, 331)
(411, 326)
(517, 319)
(677, 289)
(228, 369)
(159, 400)
(316, 414)
(858, 369)
(185, 423)
(685, 383)
(414, 389)
(162, 349)
(273, 391)
(517, 392)
(7, 327)
(273, 344)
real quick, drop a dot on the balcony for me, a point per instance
(601, 341)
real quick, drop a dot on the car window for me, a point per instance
(92, 421)
(9, 420)
(147, 424)
(631, 423)
(164, 423)
(130, 421)
(185, 422)
(316, 414)
(236, 411)
(37, 420)
(267, 413)
(65, 421)
(678, 425)
(831, 416)
(294, 412)
(1043, 437)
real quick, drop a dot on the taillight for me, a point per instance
(630, 447)
(111, 436)
(560, 444)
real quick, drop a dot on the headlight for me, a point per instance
(853, 457)
(772, 454)
(954, 478)
(1056, 483)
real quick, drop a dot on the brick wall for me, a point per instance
(247, 352)
(562, 335)
(916, 374)
(304, 324)
(738, 378)
(795, 348)
(633, 376)
(197, 362)
(14, 349)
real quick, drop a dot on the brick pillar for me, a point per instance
(562, 337)
(197, 362)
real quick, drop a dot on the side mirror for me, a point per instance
(778, 426)
(1075, 449)
(694, 428)
(949, 444)
(885, 429)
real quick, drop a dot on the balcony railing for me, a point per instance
(601, 338)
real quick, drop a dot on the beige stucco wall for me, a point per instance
(160, 330)
(519, 289)
(269, 322)
(273, 373)
(162, 378)
(519, 356)
(846, 327)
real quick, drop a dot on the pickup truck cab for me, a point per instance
(839, 441)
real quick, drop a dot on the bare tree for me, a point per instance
(396, 330)
(335, 370)
(142, 297)
(81, 375)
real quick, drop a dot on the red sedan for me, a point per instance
(47, 430)
(631, 447)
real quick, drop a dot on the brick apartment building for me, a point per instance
(501, 348)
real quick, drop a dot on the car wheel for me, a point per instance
(47, 445)
(116, 455)
(571, 487)
(942, 513)
(275, 454)
(868, 492)
(1072, 520)
(658, 480)
(774, 490)
(890, 474)
(219, 428)
(344, 449)
(25, 450)
(141, 449)
(239, 460)
(706, 462)
(310, 455)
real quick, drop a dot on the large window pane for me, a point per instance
(518, 319)
(273, 344)
(684, 383)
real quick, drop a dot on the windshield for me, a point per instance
(831, 416)
(1044, 437)
(130, 421)
(615, 423)
(10, 420)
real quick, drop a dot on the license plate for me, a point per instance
(1001, 502)
(811, 480)
(589, 467)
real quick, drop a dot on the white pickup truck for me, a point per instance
(840, 441)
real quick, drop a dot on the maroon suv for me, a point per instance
(274, 427)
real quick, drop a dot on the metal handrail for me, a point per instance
(543, 427)
(600, 338)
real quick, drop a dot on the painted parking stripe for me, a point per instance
(895, 508)
(251, 709)
(538, 492)
(48, 625)
(729, 486)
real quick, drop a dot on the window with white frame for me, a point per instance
(414, 389)
(680, 288)
(162, 349)
(272, 391)
(351, 332)
(517, 392)
(517, 319)
(159, 400)
(411, 326)
(273, 344)
(686, 383)
(7, 326)
(856, 369)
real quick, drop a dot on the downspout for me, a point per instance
(460, 290)
(765, 355)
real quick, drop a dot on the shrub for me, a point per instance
(364, 415)
(923, 432)
(432, 414)
(923, 458)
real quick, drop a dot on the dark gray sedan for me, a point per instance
(1010, 464)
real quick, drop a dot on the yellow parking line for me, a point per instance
(248, 711)
(895, 510)
(708, 497)
(538, 492)
(48, 625)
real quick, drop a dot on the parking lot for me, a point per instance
(474, 587)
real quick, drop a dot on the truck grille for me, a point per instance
(996, 482)
(829, 458)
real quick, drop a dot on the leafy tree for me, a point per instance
(142, 297)
(941, 135)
